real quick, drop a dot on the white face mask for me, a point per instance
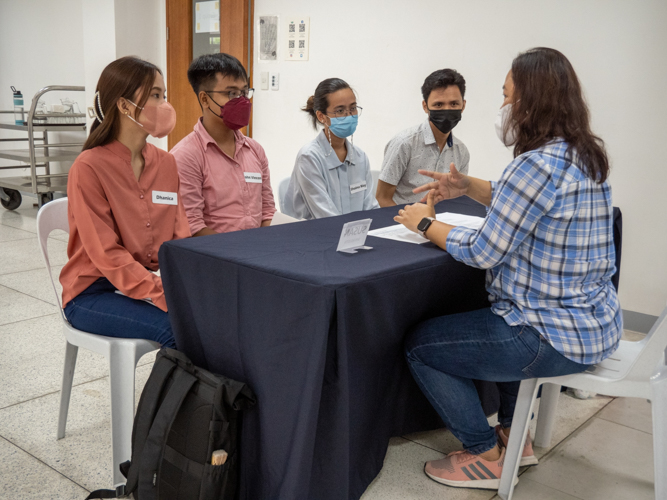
(501, 122)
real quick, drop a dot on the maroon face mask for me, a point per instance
(236, 113)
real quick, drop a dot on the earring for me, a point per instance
(330, 145)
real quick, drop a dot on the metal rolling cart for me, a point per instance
(40, 152)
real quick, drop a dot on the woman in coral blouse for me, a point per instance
(123, 204)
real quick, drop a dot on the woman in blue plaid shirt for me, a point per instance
(547, 245)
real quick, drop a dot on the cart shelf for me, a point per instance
(67, 154)
(40, 152)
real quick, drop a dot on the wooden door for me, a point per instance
(235, 39)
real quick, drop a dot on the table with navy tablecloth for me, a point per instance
(318, 335)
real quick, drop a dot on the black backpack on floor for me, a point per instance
(185, 414)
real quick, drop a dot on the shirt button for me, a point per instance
(148, 224)
(149, 255)
(142, 196)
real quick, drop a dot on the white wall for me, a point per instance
(99, 49)
(40, 45)
(141, 30)
(385, 49)
(69, 42)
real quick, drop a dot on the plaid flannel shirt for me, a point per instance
(547, 244)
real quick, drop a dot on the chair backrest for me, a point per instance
(651, 351)
(282, 191)
(51, 216)
(376, 175)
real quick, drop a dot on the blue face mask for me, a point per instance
(345, 126)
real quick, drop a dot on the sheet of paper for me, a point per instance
(207, 17)
(401, 233)
(460, 220)
(297, 38)
(268, 38)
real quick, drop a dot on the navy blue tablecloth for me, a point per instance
(318, 335)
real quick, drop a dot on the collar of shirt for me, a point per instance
(429, 138)
(123, 152)
(332, 160)
(206, 138)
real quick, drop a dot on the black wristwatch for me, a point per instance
(424, 224)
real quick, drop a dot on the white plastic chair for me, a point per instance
(635, 370)
(282, 191)
(123, 355)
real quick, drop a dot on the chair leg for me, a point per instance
(520, 425)
(71, 352)
(121, 380)
(547, 415)
(659, 410)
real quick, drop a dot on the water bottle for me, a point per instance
(18, 107)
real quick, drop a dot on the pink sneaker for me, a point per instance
(462, 469)
(527, 457)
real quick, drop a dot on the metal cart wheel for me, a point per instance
(11, 200)
(44, 198)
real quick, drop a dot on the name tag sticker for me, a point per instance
(165, 198)
(353, 236)
(253, 177)
(359, 186)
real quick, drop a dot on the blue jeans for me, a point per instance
(445, 354)
(98, 309)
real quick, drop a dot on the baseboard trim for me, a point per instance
(638, 322)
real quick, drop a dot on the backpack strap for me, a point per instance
(157, 437)
(148, 405)
(102, 494)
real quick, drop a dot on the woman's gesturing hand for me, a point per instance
(411, 215)
(447, 186)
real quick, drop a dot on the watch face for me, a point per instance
(423, 224)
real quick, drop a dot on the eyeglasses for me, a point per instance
(233, 94)
(354, 110)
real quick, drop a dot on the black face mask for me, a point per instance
(445, 119)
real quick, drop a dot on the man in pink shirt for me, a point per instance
(225, 184)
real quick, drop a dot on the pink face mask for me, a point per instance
(158, 120)
(236, 113)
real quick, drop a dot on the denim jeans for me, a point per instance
(98, 309)
(446, 353)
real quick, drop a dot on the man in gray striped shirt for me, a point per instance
(429, 146)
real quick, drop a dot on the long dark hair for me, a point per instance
(319, 101)
(548, 103)
(121, 78)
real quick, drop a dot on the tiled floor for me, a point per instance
(602, 448)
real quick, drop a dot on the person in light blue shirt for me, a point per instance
(331, 175)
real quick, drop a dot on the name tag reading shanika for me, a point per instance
(253, 177)
(353, 236)
(359, 186)
(165, 198)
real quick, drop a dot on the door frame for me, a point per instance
(236, 38)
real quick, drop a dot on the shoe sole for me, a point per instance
(528, 461)
(479, 484)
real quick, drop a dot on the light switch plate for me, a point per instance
(275, 81)
(264, 80)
